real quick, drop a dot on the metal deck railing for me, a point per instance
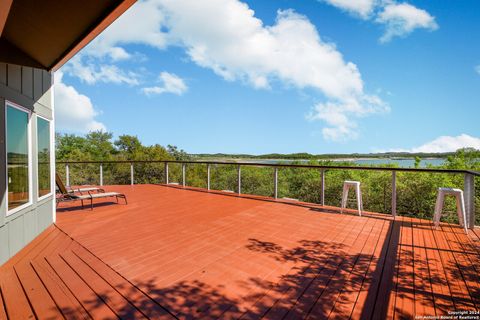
(468, 176)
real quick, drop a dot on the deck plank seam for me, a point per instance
(354, 264)
(439, 264)
(324, 261)
(475, 299)
(342, 232)
(444, 263)
(382, 259)
(429, 271)
(48, 291)
(68, 287)
(337, 230)
(25, 294)
(105, 300)
(374, 260)
(337, 267)
(393, 294)
(113, 287)
(381, 277)
(462, 271)
(4, 304)
(128, 281)
(36, 266)
(364, 274)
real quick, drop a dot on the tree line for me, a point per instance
(416, 191)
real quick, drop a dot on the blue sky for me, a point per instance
(330, 76)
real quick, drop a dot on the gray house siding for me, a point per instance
(32, 89)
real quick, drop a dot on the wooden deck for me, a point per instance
(173, 253)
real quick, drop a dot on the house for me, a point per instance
(36, 39)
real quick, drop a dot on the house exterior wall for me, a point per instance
(32, 89)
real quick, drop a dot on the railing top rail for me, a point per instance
(283, 165)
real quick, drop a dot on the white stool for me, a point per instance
(458, 194)
(356, 185)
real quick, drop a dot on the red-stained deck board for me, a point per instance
(442, 296)
(360, 275)
(65, 300)
(469, 273)
(3, 312)
(367, 297)
(460, 295)
(302, 274)
(16, 302)
(385, 302)
(188, 253)
(317, 301)
(424, 303)
(115, 301)
(143, 302)
(37, 295)
(93, 303)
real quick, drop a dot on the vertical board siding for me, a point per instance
(16, 235)
(27, 82)
(14, 77)
(30, 88)
(3, 73)
(37, 84)
(44, 216)
(4, 248)
(30, 226)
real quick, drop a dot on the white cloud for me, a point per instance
(74, 112)
(338, 116)
(171, 83)
(401, 19)
(141, 24)
(477, 69)
(92, 72)
(362, 8)
(446, 144)
(226, 37)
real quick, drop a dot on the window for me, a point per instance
(18, 157)
(43, 145)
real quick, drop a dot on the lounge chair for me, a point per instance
(78, 190)
(66, 196)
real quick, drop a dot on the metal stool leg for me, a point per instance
(462, 217)
(438, 209)
(359, 199)
(344, 197)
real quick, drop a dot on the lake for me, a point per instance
(404, 163)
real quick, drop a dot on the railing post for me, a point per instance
(131, 174)
(275, 182)
(239, 179)
(101, 174)
(469, 193)
(67, 174)
(183, 175)
(166, 172)
(394, 193)
(208, 176)
(322, 192)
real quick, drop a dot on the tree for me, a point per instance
(99, 145)
(129, 146)
(178, 155)
(70, 147)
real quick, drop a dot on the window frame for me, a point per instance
(51, 137)
(8, 104)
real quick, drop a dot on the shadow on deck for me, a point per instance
(174, 253)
